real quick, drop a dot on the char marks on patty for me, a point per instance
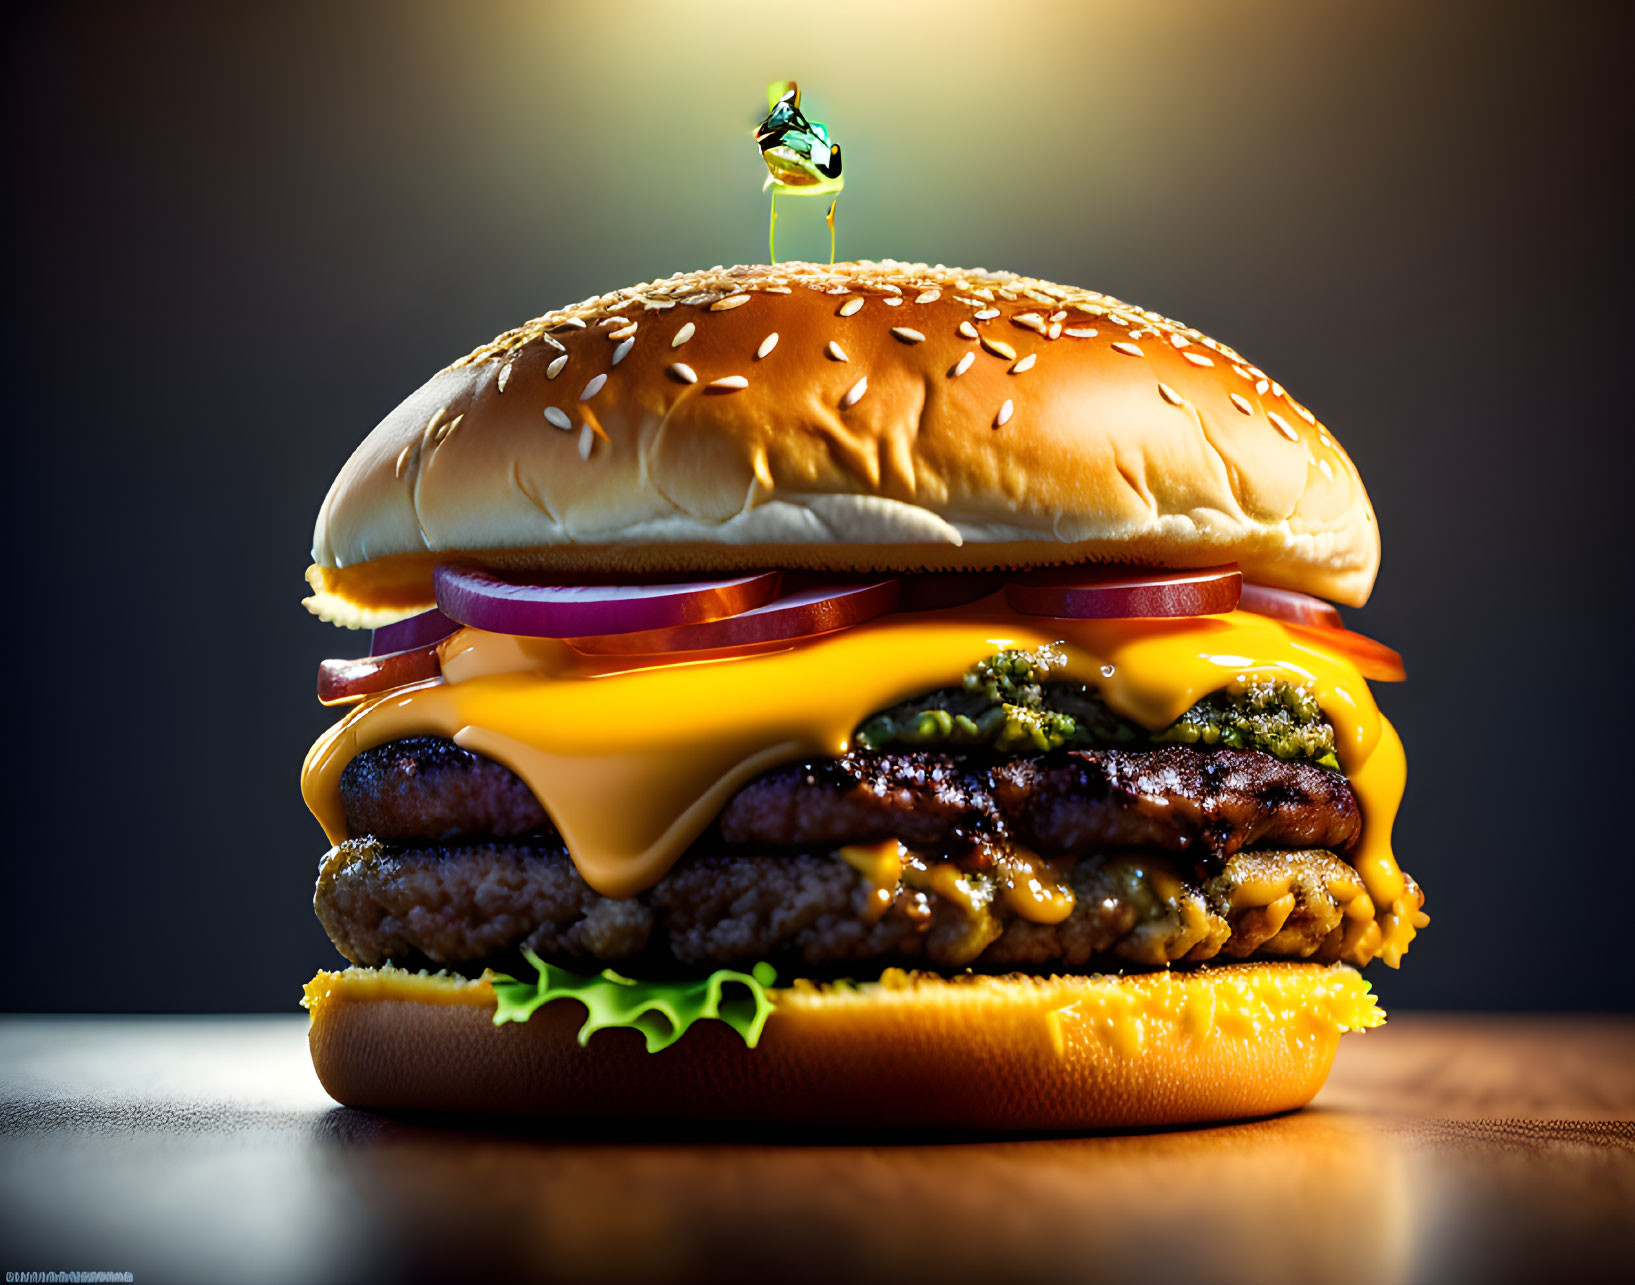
(1176, 798)
(426, 788)
(1208, 803)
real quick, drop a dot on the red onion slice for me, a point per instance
(1286, 604)
(804, 613)
(1121, 593)
(341, 682)
(485, 601)
(428, 627)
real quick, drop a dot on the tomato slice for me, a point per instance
(1098, 592)
(345, 682)
(1287, 605)
(1373, 659)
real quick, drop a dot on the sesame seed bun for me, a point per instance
(859, 416)
(911, 1051)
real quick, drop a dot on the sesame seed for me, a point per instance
(849, 307)
(1325, 439)
(1283, 426)
(727, 384)
(730, 302)
(1129, 350)
(836, 352)
(1025, 364)
(403, 458)
(987, 314)
(683, 335)
(1302, 412)
(767, 345)
(614, 321)
(967, 330)
(1180, 341)
(962, 365)
(558, 418)
(555, 368)
(1032, 320)
(1277, 389)
(1242, 403)
(1169, 394)
(1326, 469)
(1198, 359)
(1005, 413)
(928, 296)
(587, 439)
(893, 302)
(999, 348)
(592, 387)
(908, 336)
(1055, 331)
(854, 394)
(1059, 315)
(623, 332)
(682, 371)
(775, 290)
(1261, 385)
(1239, 370)
(1080, 332)
(577, 323)
(503, 377)
(623, 351)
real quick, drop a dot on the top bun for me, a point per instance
(857, 416)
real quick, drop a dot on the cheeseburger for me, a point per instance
(872, 693)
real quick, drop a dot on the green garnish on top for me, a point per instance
(661, 1011)
(1009, 704)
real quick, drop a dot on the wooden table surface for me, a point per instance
(202, 1149)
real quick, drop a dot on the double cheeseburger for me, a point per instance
(872, 693)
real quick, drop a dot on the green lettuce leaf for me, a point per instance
(661, 1011)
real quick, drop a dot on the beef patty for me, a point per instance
(467, 905)
(1209, 803)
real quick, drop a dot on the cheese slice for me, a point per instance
(632, 758)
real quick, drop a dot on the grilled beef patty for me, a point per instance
(1208, 803)
(455, 864)
(464, 906)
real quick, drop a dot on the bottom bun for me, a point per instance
(910, 1051)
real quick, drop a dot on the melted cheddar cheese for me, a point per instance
(633, 757)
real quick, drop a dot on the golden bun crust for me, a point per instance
(858, 416)
(913, 1051)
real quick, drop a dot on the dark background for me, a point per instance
(239, 234)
